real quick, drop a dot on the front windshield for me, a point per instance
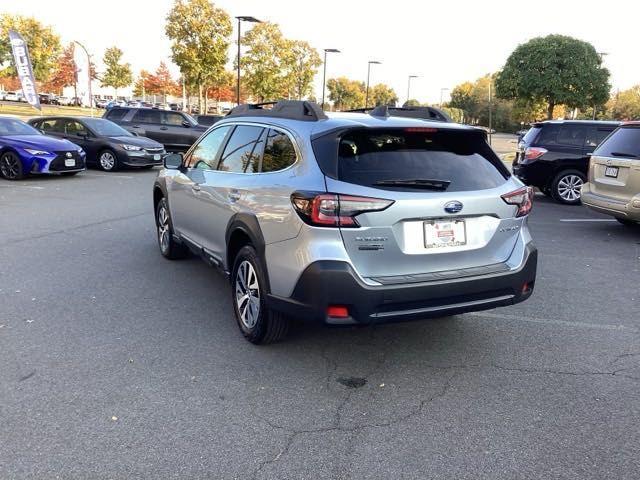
(13, 126)
(106, 128)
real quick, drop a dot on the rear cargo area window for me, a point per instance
(624, 142)
(411, 159)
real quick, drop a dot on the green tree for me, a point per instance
(300, 62)
(116, 74)
(382, 94)
(412, 102)
(555, 69)
(43, 43)
(265, 61)
(625, 105)
(346, 94)
(199, 33)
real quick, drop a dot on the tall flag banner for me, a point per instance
(83, 74)
(24, 68)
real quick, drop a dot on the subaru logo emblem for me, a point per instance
(453, 207)
(609, 162)
(69, 155)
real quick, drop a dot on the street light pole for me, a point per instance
(409, 86)
(366, 96)
(324, 73)
(241, 19)
(490, 112)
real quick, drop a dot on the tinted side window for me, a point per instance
(243, 151)
(624, 142)
(51, 125)
(147, 116)
(205, 153)
(117, 114)
(595, 136)
(278, 152)
(572, 135)
(549, 135)
(174, 119)
(71, 127)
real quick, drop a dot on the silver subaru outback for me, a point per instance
(347, 218)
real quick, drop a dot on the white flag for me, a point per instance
(83, 74)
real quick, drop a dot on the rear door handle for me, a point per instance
(234, 195)
(135, 126)
(164, 128)
(195, 187)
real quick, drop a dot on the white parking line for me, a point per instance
(550, 321)
(23, 186)
(105, 176)
(587, 219)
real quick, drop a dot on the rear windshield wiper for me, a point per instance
(624, 154)
(424, 183)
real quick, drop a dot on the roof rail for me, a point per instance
(291, 109)
(424, 113)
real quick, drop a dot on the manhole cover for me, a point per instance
(352, 382)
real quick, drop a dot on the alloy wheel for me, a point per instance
(163, 229)
(10, 166)
(570, 188)
(107, 161)
(247, 295)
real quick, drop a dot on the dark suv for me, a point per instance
(554, 156)
(177, 131)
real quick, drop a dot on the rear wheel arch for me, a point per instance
(244, 229)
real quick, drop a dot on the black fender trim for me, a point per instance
(248, 224)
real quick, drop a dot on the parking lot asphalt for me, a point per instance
(117, 363)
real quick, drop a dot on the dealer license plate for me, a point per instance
(611, 172)
(156, 156)
(444, 233)
(69, 162)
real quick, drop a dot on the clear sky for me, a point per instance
(444, 42)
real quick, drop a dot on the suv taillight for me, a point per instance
(334, 210)
(533, 153)
(522, 198)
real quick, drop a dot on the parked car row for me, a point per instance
(66, 145)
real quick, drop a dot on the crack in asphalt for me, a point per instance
(456, 368)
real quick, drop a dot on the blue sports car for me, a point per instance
(24, 150)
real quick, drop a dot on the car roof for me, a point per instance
(576, 122)
(337, 120)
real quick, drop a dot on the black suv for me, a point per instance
(177, 131)
(554, 156)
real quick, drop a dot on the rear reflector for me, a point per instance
(337, 311)
(522, 198)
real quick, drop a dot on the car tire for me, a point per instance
(566, 187)
(107, 161)
(11, 166)
(257, 322)
(169, 247)
(626, 222)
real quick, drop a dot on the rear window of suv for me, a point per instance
(624, 142)
(460, 159)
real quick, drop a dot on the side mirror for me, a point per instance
(186, 124)
(173, 161)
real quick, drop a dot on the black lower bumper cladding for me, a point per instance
(325, 283)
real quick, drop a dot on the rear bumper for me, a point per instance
(611, 206)
(325, 283)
